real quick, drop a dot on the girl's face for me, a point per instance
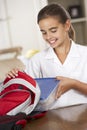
(54, 32)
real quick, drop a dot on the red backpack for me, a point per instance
(18, 99)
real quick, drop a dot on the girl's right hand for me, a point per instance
(12, 73)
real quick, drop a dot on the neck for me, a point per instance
(64, 48)
(63, 51)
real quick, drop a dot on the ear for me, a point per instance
(67, 25)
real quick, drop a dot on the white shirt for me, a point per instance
(47, 64)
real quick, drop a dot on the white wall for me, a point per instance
(21, 28)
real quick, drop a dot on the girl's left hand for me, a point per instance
(65, 84)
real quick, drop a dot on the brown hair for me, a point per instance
(57, 11)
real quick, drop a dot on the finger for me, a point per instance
(59, 77)
(7, 75)
(58, 94)
(14, 72)
(10, 75)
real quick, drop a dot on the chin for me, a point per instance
(54, 46)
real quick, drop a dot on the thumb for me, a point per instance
(59, 77)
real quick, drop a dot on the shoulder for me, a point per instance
(82, 49)
(41, 55)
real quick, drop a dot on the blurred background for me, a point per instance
(18, 24)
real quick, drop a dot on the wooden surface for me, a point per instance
(70, 118)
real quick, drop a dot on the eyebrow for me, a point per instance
(42, 30)
(53, 28)
(49, 29)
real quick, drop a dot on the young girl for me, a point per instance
(64, 59)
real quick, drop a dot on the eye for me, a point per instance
(43, 32)
(54, 30)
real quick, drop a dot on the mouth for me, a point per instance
(52, 42)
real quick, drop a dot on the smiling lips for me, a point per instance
(52, 42)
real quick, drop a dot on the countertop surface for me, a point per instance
(69, 118)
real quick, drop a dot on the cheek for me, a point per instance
(44, 37)
(63, 32)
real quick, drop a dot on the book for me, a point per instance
(48, 87)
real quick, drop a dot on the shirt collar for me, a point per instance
(74, 52)
(50, 53)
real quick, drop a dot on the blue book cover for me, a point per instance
(47, 85)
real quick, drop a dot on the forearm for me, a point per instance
(80, 86)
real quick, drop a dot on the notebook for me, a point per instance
(48, 88)
(47, 85)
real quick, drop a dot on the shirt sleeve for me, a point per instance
(33, 67)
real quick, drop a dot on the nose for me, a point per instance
(48, 36)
